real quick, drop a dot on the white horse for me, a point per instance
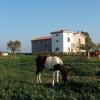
(55, 64)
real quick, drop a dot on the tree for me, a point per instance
(88, 43)
(98, 46)
(14, 46)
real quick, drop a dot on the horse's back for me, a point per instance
(57, 60)
(51, 61)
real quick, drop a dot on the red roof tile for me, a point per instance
(43, 38)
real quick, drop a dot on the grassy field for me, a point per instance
(18, 80)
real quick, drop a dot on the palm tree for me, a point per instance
(14, 46)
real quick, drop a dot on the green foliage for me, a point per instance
(89, 44)
(14, 46)
(88, 41)
(18, 82)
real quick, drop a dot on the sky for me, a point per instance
(25, 20)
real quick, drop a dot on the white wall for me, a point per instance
(63, 44)
(4, 54)
(58, 44)
(67, 44)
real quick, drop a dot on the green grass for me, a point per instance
(18, 80)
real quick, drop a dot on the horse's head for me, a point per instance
(64, 73)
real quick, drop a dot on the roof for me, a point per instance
(59, 31)
(43, 38)
(80, 34)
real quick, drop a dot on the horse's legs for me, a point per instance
(37, 77)
(57, 76)
(40, 78)
(53, 78)
(38, 74)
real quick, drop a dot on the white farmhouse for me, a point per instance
(59, 41)
(65, 41)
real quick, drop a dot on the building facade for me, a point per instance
(59, 41)
(42, 44)
(65, 41)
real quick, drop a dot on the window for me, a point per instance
(79, 41)
(57, 49)
(56, 34)
(57, 40)
(35, 43)
(68, 39)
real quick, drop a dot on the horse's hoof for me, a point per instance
(37, 84)
(58, 83)
(65, 82)
(53, 86)
(40, 83)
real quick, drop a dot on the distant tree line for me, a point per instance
(89, 44)
(15, 46)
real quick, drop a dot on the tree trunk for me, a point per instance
(13, 52)
(88, 53)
